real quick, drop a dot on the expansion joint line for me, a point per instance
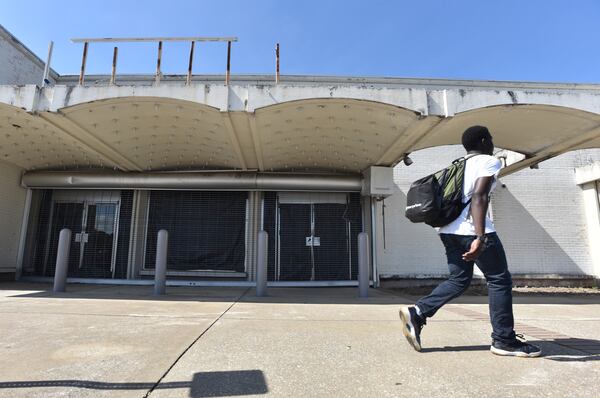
(194, 342)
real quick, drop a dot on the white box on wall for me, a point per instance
(378, 181)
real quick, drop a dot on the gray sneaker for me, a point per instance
(412, 324)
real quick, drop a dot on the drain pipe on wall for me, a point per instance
(45, 80)
(374, 241)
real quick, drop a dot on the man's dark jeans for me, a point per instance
(492, 262)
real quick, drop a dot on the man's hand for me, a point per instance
(474, 252)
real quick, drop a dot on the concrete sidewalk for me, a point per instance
(215, 342)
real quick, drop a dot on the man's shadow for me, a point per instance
(459, 348)
(560, 350)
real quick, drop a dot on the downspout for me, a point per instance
(374, 241)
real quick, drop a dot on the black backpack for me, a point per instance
(436, 199)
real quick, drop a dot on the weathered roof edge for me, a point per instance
(268, 79)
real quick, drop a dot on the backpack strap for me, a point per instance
(466, 157)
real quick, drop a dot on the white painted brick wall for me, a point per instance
(412, 249)
(539, 215)
(17, 67)
(12, 202)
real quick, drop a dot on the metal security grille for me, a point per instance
(312, 239)
(207, 231)
(100, 222)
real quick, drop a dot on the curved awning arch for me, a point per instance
(538, 131)
(155, 133)
(32, 143)
(332, 134)
(339, 135)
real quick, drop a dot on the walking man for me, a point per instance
(468, 240)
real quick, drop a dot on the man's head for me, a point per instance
(478, 138)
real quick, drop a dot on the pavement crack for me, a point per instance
(237, 300)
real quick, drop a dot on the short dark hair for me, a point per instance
(471, 138)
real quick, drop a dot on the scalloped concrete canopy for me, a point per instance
(156, 133)
(146, 134)
(33, 143)
(537, 131)
(522, 128)
(331, 135)
(346, 128)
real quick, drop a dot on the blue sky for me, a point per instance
(527, 40)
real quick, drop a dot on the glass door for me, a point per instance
(295, 243)
(93, 228)
(64, 215)
(98, 240)
(313, 232)
(331, 244)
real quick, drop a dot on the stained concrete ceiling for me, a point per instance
(332, 135)
(523, 128)
(31, 143)
(158, 134)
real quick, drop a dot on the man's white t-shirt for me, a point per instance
(476, 167)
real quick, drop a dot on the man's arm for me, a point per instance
(479, 207)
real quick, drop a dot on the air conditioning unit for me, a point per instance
(378, 181)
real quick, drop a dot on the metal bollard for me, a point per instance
(261, 264)
(160, 270)
(62, 260)
(363, 264)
